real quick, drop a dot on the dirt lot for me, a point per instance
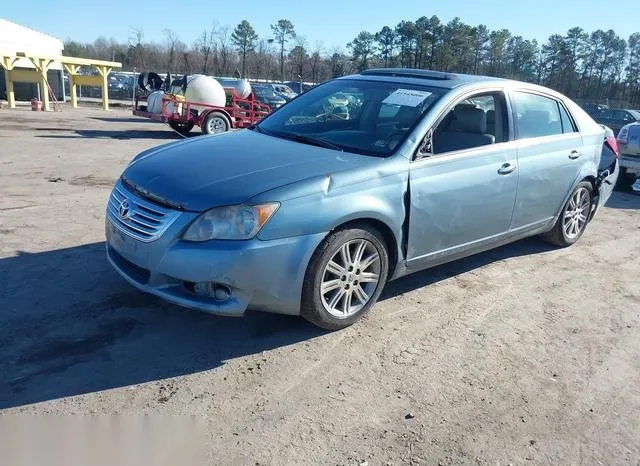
(526, 354)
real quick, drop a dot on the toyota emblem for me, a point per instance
(125, 209)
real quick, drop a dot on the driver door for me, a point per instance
(462, 194)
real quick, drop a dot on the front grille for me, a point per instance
(140, 219)
(139, 274)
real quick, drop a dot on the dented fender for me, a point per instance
(322, 204)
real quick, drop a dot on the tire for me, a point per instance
(345, 285)
(214, 123)
(180, 127)
(577, 206)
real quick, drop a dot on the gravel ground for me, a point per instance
(525, 354)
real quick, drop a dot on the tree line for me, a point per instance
(596, 66)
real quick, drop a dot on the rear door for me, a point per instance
(549, 157)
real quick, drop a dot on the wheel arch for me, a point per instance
(589, 178)
(383, 228)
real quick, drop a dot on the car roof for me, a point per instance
(422, 77)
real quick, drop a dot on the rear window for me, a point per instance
(536, 116)
(567, 122)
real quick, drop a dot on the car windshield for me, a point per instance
(364, 117)
(264, 91)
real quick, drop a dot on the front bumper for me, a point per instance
(262, 275)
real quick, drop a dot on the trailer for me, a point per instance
(182, 115)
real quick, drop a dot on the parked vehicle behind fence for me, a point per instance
(629, 143)
(616, 118)
(266, 94)
(283, 90)
(311, 213)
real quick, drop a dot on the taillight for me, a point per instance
(611, 142)
(623, 135)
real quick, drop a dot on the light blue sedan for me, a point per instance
(312, 211)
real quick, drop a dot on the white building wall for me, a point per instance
(15, 38)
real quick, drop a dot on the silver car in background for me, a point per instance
(310, 212)
(629, 145)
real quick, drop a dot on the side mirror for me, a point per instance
(426, 146)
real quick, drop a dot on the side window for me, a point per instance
(608, 114)
(536, 116)
(567, 123)
(624, 116)
(477, 121)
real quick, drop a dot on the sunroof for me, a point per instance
(409, 73)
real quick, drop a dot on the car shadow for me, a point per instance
(161, 133)
(433, 275)
(70, 325)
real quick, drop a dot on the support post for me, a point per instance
(11, 95)
(72, 70)
(42, 65)
(8, 63)
(104, 72)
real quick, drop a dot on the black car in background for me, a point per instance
(594, 109)
(297, 87)
(616, 118)
(265, 94)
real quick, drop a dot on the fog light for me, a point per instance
(212, 290)
(222, 293)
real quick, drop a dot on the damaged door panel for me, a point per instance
(459, 201)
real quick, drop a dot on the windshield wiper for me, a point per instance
(309, 140)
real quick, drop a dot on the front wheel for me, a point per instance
(574, 217)
(345, 277)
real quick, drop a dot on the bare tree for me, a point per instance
(224, 38)
(205, 46)
(137, 47)
(171, 43)
(315, 60)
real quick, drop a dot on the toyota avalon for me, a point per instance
(310, 212)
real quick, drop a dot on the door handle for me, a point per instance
(506, 168)
(574, 154)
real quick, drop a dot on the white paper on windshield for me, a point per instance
(406, 97)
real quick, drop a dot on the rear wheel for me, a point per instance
(180, 126)
(574, 217)
(214, 123)
(345, 277)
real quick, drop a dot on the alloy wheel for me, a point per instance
(350, 278)
(576, 214)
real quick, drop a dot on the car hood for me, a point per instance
(230, 168)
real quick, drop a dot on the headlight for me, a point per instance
(231, 222)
